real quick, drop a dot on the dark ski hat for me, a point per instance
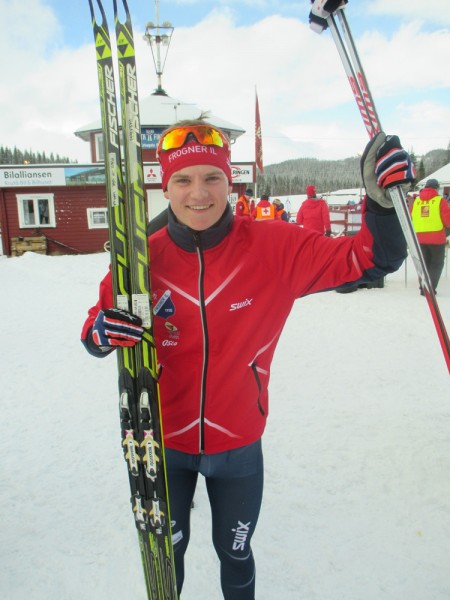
(432, 183)
(264, 197)
(249, 192)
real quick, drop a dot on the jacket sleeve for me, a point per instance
(381, 228)
(105, 300)
(445, 213)
(312, 262)
(299, 217)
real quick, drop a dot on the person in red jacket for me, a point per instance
(246, 204)
(222, 290)
(313, 213)
(430, 215)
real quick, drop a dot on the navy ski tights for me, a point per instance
(234, 482)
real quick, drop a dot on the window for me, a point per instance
(97, 218)
(99, 148)
(36, 210)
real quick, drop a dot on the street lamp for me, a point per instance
(158, 38)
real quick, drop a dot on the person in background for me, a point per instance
(265, 210)
(314, 213)
(232, 283)
(430, 216)
(279, 209)
(410, 200)
(246, 204)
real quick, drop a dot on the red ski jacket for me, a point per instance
(314, 214)
(220, 300)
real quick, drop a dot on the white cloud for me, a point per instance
(29, 30)
(424, 122)
(307, 108)
(46, 89)
(437, 11)
(411, 59)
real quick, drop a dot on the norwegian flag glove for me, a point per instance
(116, 327)
(385, 164)
(394, 165)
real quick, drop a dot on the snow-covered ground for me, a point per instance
(357, 450)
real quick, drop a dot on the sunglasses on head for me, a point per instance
(205, 135)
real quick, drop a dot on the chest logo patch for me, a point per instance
(163, 305)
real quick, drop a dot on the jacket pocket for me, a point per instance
(258, 383)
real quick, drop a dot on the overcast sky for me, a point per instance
(219, 52)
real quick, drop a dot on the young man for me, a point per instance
(216, 344)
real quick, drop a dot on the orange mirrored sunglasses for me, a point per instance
(204, 135)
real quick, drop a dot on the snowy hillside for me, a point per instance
(357, 450)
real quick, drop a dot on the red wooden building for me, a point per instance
(61, 209)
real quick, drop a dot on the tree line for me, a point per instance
(291, 177)
(15, 156)
(287, 178)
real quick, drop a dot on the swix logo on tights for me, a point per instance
(241, 533)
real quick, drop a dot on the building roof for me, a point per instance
(442, 175)
(159, 110)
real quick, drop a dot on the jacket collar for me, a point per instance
(188, 239)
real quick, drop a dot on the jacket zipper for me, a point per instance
(201, 297)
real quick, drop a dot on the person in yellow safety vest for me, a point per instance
(264, 210)
(430, 216)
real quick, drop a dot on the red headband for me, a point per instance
(191, 154)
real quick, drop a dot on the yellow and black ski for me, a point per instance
(140, 415)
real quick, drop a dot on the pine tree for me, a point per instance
(19, 157)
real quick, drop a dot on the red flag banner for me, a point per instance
(258, 138)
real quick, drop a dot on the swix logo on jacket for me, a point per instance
(243, 304)
(232, 301)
